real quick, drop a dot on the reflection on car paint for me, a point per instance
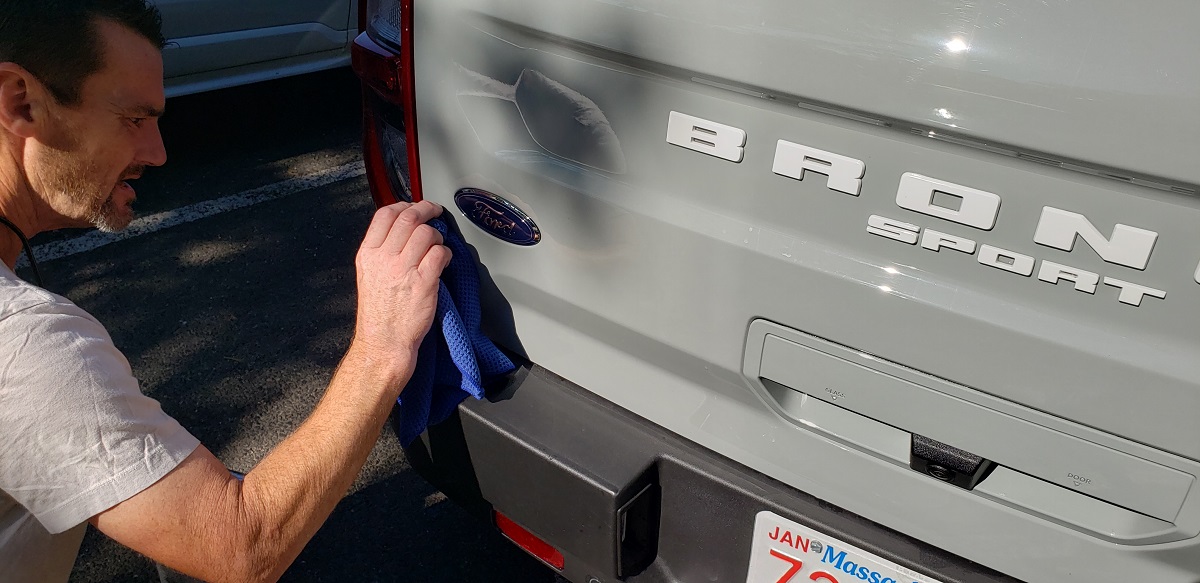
(558, 119)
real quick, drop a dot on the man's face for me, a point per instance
(91, 149)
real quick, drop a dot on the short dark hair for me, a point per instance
(58, 41)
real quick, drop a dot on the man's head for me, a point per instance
(80, 96)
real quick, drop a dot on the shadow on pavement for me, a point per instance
(437, 542)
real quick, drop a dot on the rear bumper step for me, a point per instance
(624, 499)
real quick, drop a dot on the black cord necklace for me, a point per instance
(37, 275)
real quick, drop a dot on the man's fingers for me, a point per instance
(381, 223)
(408, 221)
(423, 238)
(435, 261)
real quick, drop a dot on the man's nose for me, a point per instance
(153, 152)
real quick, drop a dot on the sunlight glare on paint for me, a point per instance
(957, 45)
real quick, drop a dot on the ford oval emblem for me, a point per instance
(498, 217)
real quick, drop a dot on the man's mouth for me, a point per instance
(123, 183)
(122, 197)
(123, 194)
(124, 187)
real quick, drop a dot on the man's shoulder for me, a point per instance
(48, 332)
(20, 300)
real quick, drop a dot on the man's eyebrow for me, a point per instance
(144, 111)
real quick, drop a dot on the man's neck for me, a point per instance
(18, 204)
(10, 247)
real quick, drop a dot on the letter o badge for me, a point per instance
(977, 208)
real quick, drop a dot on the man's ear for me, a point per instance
(20, 100)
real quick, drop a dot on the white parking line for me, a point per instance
(157, 222)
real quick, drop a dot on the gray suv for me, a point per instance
(892, 292)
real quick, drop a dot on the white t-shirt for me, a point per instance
(77, 436)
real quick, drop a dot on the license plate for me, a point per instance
(786, 552)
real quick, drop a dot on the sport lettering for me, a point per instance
(1085, 281)
(1016, 263)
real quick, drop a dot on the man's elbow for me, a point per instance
(252, 562)
(256, 552)
(236, 561)
(249, 569)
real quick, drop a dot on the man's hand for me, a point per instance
(399, 264)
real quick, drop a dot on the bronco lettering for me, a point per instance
(1127, 246)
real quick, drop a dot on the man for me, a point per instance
(80, 96)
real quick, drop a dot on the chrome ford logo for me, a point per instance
(498, 217)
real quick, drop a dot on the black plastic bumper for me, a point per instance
(624, 499)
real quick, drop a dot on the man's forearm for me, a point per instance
(199, 520)
(291, 492)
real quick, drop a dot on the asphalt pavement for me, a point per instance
(234, 319)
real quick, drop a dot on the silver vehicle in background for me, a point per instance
(224, 43)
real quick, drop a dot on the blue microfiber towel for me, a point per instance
(455, 357)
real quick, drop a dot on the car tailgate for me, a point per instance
(657, 257)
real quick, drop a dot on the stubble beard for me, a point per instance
(108, 218)
(78, 194)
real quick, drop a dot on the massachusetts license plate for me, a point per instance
(787, 552)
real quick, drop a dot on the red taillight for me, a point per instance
(529, 542)
(390, 77)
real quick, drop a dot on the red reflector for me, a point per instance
(379, 68)
(532, 544)
(381, 186)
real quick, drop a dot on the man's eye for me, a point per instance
(136, 121)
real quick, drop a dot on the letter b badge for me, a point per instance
(707, 137)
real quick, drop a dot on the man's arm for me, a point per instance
(201, 521)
